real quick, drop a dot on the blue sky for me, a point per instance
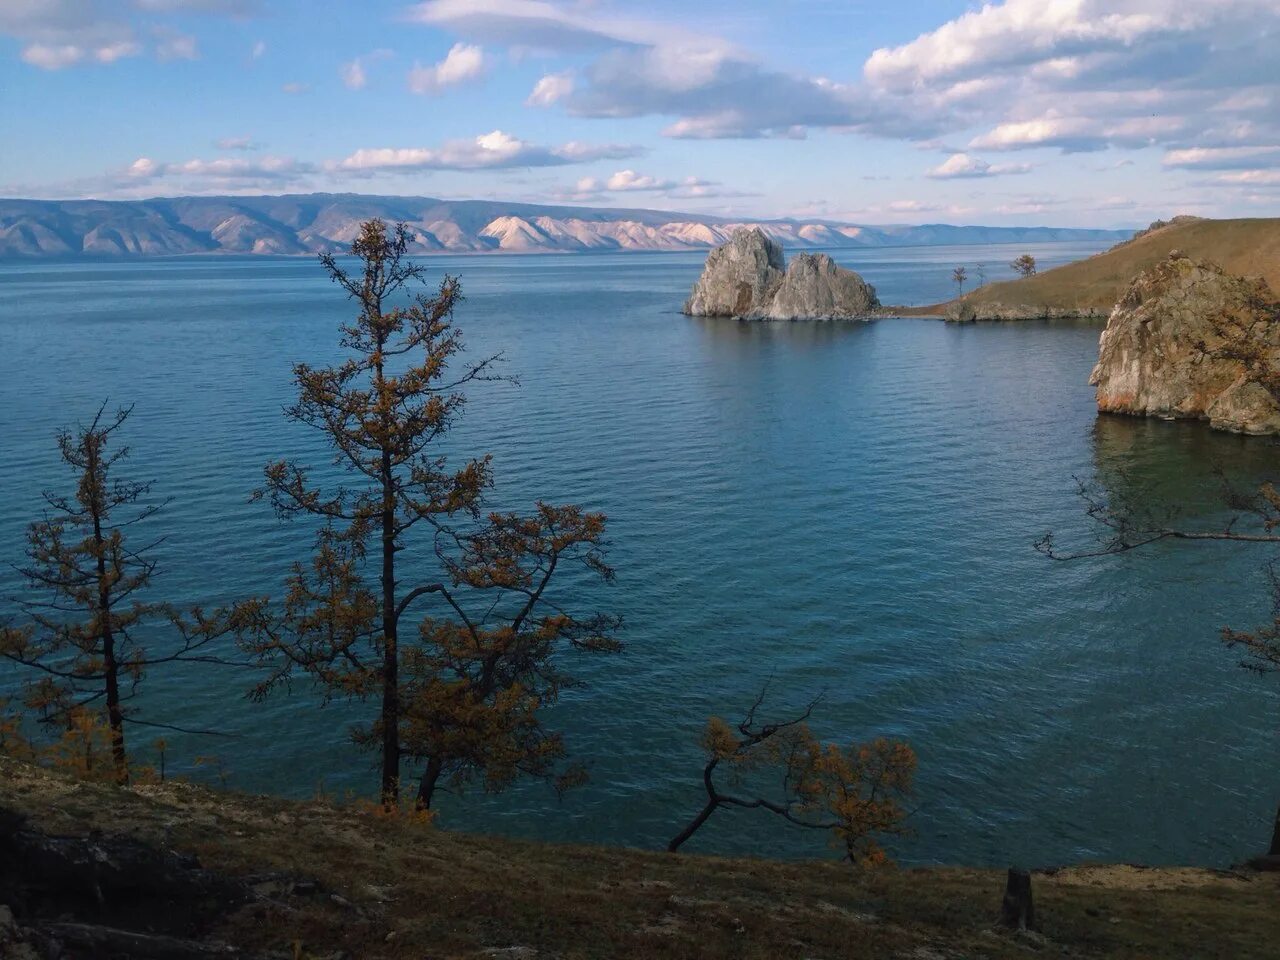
(1065, 112)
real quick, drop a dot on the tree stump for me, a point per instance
(1016, 910)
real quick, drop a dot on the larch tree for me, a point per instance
(459, 690)
(1024, 266)
(958, 276)
(856, 793)
(84, 608)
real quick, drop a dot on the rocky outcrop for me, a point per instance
(1190, 341)
(967, 311)
(746, 278)
(738, 277)
(814, 286)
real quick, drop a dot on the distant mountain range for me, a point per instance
(317, 223)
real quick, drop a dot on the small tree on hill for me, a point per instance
(461, 694)
(1024, 266)
(85, 579)
(855, 793)
(980, 273)
(958, 276)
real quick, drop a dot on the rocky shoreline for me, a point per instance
(1188, 341)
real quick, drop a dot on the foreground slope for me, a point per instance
(327, 223)
(325, 882)
(1091, 287)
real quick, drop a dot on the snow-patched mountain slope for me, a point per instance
(316, 223)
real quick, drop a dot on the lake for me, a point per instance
(844, 507)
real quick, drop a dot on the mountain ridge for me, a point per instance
(300, 224)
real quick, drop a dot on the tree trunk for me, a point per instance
(110, 668)
(427, 785)
(390, 653)
(693, 826)
(713, 801)
(1275, 837)
(1017, 911)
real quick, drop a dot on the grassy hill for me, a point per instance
(334, 882)
(1091, 287)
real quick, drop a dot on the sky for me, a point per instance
(1022, 112)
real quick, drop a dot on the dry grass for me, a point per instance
(1093, 285)
(409, 891)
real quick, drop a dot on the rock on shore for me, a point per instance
(747, 278)
(1175, 347)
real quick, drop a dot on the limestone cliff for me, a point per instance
(745, 278)
(1176, 343)
(738, 276)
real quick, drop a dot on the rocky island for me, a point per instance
(1190, 341)
(748, 278)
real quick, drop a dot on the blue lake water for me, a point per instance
(845, 507)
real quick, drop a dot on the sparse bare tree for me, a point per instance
(84, 609)
(461, 692)
(855, 792)
(958, 276)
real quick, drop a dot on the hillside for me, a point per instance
(278, 879)
(1091, 287)
(319, 223)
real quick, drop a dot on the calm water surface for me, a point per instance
(847, 507)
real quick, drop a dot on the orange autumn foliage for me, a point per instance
(855, 792)
(458, 667)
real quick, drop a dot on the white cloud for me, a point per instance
(222, 168)
(1222, 158)
(55, 57)
(171, 45)
(1058, 37)
(230, 8)
(463, 62)
(966, 166)
(594, 189)
(295, 87)
(236, 143)
(539, 25)
(143, 167)
(576, 151)
(1090, 74)
(490, 151)
(641, 68)
(550, 88)
(56, 34)
(1251, 177)
(353, 74)
(1081, 133)
(148, 177)
(630, 180)
(259, 50)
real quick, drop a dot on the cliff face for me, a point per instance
(738, 276)
(814, 286)
(745, 278)
(1176, 347)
